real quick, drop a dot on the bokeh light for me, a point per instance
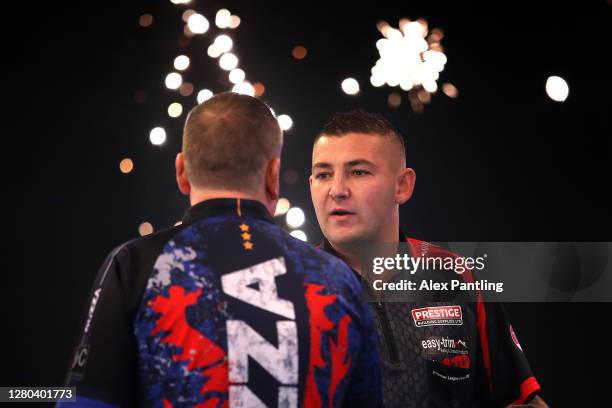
(157, 136)
(173, 80)
(557, 89)
(350, 86)
(282, 206)
(295, 217)
(285, 122)
(181, 62)
(126, 166)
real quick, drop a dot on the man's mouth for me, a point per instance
(340, 214)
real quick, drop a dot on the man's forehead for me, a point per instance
(352, 147)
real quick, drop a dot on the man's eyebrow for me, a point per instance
(321, 165)
(352, 163)
(360, 162)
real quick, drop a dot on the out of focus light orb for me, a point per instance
(181, 62)
(295, 217)
(175, 109)
(282, 206)
(285, 122)
(126, 166)
(350, 86)
(173, 80)
(228, 61)
(197, 23)
(157, 136)
(557, 89)
(299, 234)
(204, 95)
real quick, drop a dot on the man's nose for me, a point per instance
(339, 190)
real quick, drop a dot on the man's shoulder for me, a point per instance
(154, 240)
(141, 249)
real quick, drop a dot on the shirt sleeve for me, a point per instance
(104, 365)
(505, 373)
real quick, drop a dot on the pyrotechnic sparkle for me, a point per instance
(410, 57)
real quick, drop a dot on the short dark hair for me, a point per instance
(227, 141)
(360, 121)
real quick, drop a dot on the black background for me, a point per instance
(502, 162)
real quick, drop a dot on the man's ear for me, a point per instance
(181, 178)
(405, 185)
(273, 179)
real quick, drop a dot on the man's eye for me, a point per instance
(360, 172)
(322, 176)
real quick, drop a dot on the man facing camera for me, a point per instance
(359, 179)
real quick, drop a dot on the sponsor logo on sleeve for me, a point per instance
(79, 361)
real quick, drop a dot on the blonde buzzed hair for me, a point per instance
(228, 140)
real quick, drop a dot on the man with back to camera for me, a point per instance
(359, 178)
(226, 309)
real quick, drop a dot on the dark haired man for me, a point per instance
(359, 179)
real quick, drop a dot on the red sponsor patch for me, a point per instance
(438, 316)
(461, 361)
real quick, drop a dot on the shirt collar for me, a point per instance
(327, 246)
(227, 206)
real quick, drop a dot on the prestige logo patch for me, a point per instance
(438, 316)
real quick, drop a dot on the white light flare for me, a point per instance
(204, 95)
(236, 76)
(284, 122)
(157, 136)
(228, 61)
(223, 43)
(299, 234)
(244, 88)
(181, 63)
(406, 59)
(173, 80)
(295, 217)
(557, 89)
(197, 23)
(350, 86)
(175, 109)
(213, 51)
(223, 18)
(282, 206)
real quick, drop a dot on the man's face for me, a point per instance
(354, 187)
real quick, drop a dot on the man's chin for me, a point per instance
(343, 238)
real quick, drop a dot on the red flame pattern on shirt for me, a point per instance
(197, 349)
(319, 324)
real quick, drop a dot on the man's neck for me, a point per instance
(350, 255)
(197, 196)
